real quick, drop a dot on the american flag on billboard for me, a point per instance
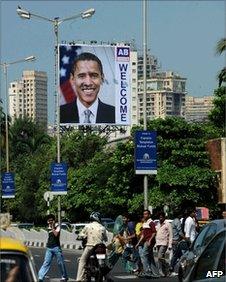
(67, 55)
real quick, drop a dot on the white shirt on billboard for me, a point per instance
(82, 109)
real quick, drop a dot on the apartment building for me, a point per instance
(198, 108)
(165, 93)
(28, 97)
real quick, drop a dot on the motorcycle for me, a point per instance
(96, 266)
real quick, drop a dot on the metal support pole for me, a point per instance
(6, 117)
(145, 89)
(56, 25)
(59, 210)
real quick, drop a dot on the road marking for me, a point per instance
(67, 260)
(58, 279)
(125, 277)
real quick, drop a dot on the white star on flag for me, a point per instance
(62, 72)
(65, 59)
(68, 48)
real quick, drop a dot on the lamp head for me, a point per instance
(30, 58)
(23, 13)
(88, 13)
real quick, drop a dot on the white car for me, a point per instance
(77, 227)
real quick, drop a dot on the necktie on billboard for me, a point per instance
(87, 116)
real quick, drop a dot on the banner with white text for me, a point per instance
(94, 85)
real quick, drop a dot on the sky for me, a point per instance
(181, 34)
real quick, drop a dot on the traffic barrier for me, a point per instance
(34, 238)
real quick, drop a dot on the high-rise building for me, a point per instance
(165, 95)
(198, 108)
(28, 97)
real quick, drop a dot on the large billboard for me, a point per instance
(94, 85)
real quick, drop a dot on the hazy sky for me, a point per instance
(182, 35)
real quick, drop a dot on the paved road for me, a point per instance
(71, 264)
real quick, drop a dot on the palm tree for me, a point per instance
(220, 48)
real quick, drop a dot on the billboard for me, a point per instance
(94, 85)
(145, 152)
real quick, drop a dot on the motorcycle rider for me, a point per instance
(95, 233)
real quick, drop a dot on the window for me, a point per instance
(210, 258)
(200, 238)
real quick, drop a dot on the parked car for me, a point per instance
(16, 261)
(66, 226)
(188, 260)
(210, 266)
(77, 228)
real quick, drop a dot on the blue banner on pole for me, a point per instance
(146, 152)
(59, 178)
(8, 186)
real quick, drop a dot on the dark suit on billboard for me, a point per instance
(69, 113)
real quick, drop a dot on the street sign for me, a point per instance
(8, 186)
(48, 196)
(59, 178)
(145, 152)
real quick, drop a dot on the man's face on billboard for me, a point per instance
(87, 80)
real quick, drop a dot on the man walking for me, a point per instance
(178, 235)
(146, 244)
(190, 226)
(164, 238)
(53, 249)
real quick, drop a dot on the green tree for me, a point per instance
(220, 49)
(217, 115)
(26, 137)
(183, 165)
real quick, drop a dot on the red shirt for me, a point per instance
(148, 229)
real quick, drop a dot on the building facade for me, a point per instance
(165, 93)
(28, 97)
(198, 108)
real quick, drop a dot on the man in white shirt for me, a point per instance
(190, 226)
(95, 233)
(87, 77)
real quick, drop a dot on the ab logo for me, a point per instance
(122, 52)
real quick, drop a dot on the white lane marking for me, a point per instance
(125, 277)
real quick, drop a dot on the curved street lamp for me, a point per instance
(5, 70)
(24, 14)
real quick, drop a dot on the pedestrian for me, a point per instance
(118, 241)
(190, 227)
(130, 256)
(145, 246)
(164, 238)
(53, 249)
(178, 235)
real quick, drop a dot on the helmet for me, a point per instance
(95, 216)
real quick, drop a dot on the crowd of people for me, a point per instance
(140, 242)
(136, 240)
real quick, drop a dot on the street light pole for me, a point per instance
(24, 14)
(5, 71)
(145, 89)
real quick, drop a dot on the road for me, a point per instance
(71, 265)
